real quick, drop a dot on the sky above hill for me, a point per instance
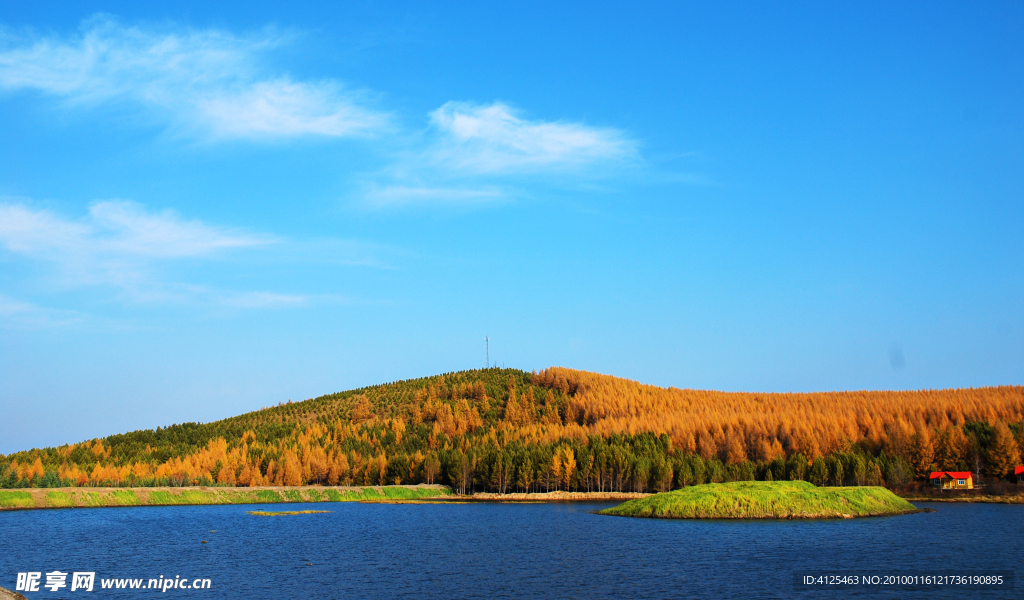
(210, 208)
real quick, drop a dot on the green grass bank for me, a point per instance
(765, 500)
(97, 497)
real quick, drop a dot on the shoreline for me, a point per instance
(556, 496)
(102, 497)
(967, 499)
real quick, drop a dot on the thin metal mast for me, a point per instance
(487, 346)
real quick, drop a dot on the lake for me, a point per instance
(483, 550)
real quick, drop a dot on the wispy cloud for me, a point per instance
(401, 196)
(214, 84)
(474, 154)
(16, 313)
(264, 300)
(496, 139)
(124, 247)
(270, 300)
(116, 243)
(206, 82)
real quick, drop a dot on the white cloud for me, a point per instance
(473, 154)
(215, 84)
(117, 242)
(206, 82)
(283, 108)
(494, 139)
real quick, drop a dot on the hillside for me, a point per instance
(505, 430)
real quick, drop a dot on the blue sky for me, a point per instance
(209, 209)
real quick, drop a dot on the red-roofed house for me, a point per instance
(953, 480)
(1019, 472)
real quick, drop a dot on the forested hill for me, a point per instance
(505, 429)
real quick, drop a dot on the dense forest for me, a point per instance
(507, 430)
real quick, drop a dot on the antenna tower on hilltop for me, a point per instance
(487, 350)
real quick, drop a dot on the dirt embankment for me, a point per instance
(557, 496)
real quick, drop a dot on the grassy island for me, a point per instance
(765, 500)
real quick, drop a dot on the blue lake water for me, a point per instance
(500, 551)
